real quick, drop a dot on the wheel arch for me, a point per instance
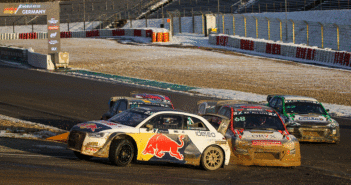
(131, 139)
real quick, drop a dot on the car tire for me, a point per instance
(212, 158)
(82, 156)
(121, 152)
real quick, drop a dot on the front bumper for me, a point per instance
(266, 156)
(81, 142)
(316, 134)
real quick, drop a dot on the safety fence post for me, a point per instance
(322, 34)
(337, 35)
(269, 28)
(293, 30)
(281, 30)
(244, 24)
(256, 26)
(233, 25)
(307, 33)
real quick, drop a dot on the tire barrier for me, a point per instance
(303, 53)
(118, 32)
(274, 49)
(342, 58)
(159, 37)
(9, 36)
(66, 34)
(137, 33)
(93, 33)
(155, 34)
(247, 44)
(222, 40)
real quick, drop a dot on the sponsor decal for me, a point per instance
(205, 134)
(29, 6)
(54, 49)
(91, 126)
(92, 149)
(53, 41)
(53, 27)
(111, 124)
(11, 10)
(263, 136)
(53, 21)
(33, 12)
(266, 142)
(311, 119)
(251, 107)
(159, 144)
(53, 35)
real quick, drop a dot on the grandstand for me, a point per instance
(190, 7)
(108, 11)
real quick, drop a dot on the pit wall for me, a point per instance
(297, 52)
(153, 34)
(26, 56)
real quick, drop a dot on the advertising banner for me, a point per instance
(50, 9)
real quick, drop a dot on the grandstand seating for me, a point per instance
(113, 10)
(72, 11)
(333, 5)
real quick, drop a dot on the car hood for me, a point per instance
(100, 125)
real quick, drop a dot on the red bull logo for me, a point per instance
(159, 144)
(91, 126)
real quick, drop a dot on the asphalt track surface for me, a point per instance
(63, 101)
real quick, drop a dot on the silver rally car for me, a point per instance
(306, 118)
(151, 134)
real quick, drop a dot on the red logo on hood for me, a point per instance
(159, 144)
(91, 126)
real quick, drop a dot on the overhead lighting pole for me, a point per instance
(84, 12)
(286, 20)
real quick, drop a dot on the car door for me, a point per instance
(199, 136)
(163, 139)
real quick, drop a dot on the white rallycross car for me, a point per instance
(151, 134)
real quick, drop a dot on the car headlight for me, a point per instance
(290, 129)
(97, 134)
(293, 151)
(333, 125)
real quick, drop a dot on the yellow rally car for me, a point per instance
(151, 134)
(256, 135)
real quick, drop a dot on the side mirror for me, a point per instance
(327, 110)
(149, 127)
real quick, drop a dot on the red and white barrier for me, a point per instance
(163, 34)
(298, 51)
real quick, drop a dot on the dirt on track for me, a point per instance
(202, 68)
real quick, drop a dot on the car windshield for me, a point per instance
(304, 108)
(129, 118)
(258, 121)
